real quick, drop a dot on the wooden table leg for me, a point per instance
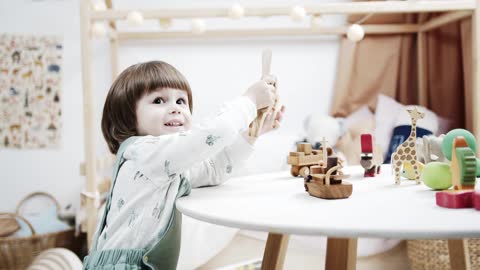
(341, 254)
(459, 258)
(275, 251)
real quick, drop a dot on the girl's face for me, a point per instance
(163, 111)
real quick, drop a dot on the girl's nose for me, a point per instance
(174, 110)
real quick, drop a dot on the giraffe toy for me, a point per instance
(407, 151)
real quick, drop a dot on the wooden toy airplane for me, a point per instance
(257, 124)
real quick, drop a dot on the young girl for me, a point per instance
(160, 156)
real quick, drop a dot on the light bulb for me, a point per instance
(236, 11)
(99, 6)
(134, 18)
(355, 33)
(198, 26)
(297, 13)
(165, 22)
(316, 21)
(99, 30)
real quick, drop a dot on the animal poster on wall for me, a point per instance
(30, 94)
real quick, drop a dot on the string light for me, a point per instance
(355, 33)
(198, 26)
(316, 21)
(236, 11)
(99, 30)
(99, 6)
(165, 23)
(134, 18)
(297, 13)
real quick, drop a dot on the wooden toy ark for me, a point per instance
(370, 158)
(304, 158)
(407, 152)
(326, 180)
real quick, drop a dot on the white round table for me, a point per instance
(278, 203)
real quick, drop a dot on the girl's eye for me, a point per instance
(158, 100)
(181, 101)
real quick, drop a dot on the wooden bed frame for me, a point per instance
(453, 11)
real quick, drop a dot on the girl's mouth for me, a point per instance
(174, 123)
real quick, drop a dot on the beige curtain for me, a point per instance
(387, 64)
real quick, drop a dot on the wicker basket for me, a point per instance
(433, 254)
(19, 252)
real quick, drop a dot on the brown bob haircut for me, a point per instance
(119, 119)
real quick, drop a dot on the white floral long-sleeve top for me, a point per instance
(147, 183)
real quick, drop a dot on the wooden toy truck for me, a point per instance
(304, 158)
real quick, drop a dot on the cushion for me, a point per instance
(43, 222)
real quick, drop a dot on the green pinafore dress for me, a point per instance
(164, 253)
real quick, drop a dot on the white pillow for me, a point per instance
(357, 116)
(385, 120)
(428, 122)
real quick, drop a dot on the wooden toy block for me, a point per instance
(476, 200)
(321, 178)
(317, 170)
(301, 161)
(305, 148)
(407, 151)
(367, 143)
(463, 166)
(319, 151)
(454, 198)
(332, 162)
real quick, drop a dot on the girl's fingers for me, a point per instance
(279, 116)
(268, 117)
(276, 124)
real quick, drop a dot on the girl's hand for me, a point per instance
(268, 126)
(272, 124)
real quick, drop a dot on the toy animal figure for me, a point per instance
(370, 158)
(407, 151)
(430, 149)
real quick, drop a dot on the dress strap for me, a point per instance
(119, 160)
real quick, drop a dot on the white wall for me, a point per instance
(217, 70)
